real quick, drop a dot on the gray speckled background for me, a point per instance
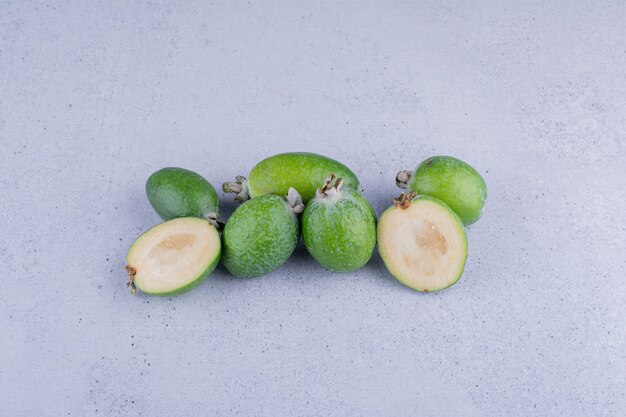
(94, 96)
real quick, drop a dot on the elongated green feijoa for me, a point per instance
(173, 257)
(422, 242)
(450, 180)
(339, 227)
(178, 192)
(261, 234)
(301, 170)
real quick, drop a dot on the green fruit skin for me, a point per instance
(340, 231)
(259, 237)
(460, 229)
(177, 192)
(186, 288)
(301, 170)
(454, 182)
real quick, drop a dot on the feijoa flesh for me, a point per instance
(173, 257)
(339, 227)
(422, 242)
(178, 192)
(450, 180)
(261, 234)
(301, 170)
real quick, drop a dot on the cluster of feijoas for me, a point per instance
(421, 238)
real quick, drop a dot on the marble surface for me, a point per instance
(94, 96)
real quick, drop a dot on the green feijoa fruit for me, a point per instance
(173, 257)
(450, 180)
(301, 170)
(339, 227)
(178, 192)
(261, 234)
(422, 242)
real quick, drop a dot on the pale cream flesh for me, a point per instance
(422, 245)
(173, 254)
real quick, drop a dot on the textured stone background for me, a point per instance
(94, 96)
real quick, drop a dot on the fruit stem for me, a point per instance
(294, 200)
(131, 279)
(212, 218)
(403, 178)
(238, 187)
(404, 200)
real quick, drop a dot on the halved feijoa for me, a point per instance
(178, 192)
(450, 180)
(422, 242)
(173, 257)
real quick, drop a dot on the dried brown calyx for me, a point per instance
(404, 200)
(331, 187)
(131, 279)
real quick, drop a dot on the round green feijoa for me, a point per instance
(450, 180)
(422, 243)
(178, 192)
(339, 227)
(261, 234)
(173, 257)
(301, 170)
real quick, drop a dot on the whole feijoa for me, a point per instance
(173, 257)
(422, 242)
(303, 171)
(178, 192)
(261, 234)
(450, 180)
(339, 227)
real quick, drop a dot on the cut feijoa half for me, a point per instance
(173, 257)
(422, 243)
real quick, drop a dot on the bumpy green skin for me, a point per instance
(454, 182)
(459, 227)
(340, 231)
(301, 170)
(177, 192)
(259, 237)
